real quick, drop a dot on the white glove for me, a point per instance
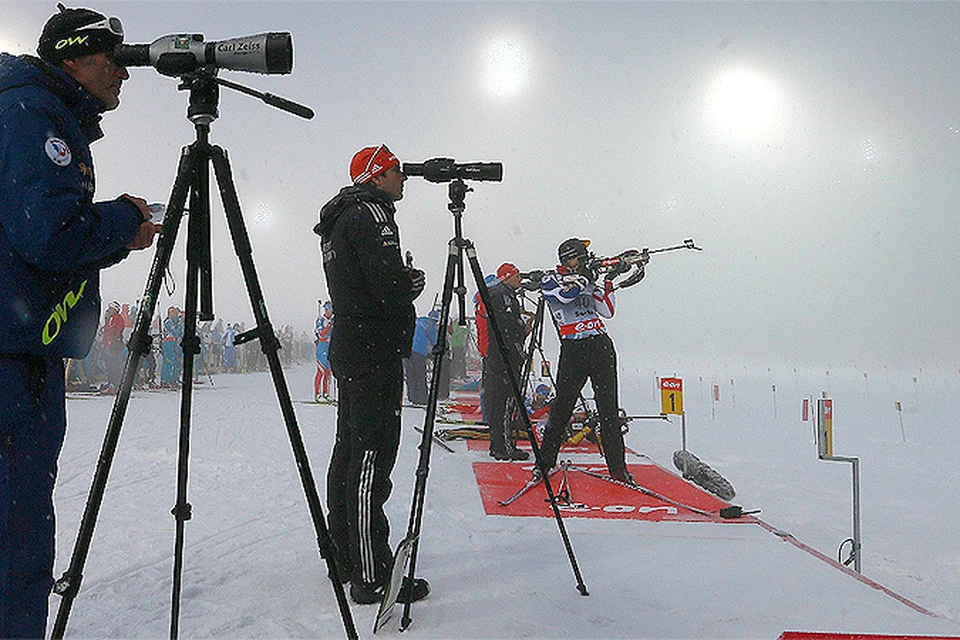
(571, 280)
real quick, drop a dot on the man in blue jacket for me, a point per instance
(425, 334)
(54, 240)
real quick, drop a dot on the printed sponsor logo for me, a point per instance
(59, 316)
(589, 325)
(69, 42)
(244, 46)
(58, 151)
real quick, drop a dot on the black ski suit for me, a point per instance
(372, 293)
(496, 384)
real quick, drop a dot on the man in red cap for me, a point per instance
(54, 240)
(372, 292)
(507, 312)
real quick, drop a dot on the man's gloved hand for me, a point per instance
(622, 267)
(419, 281)
(633, 278)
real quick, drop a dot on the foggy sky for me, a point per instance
(830, 234)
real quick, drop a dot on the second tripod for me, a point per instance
(457, 248)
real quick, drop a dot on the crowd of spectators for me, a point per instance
(162, 368)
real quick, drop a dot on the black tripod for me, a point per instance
(458, 245)
(193, 179)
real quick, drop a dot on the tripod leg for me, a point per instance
(69, 584)
(494, 329)
(270, 345)
(454, 261)
(197, 241)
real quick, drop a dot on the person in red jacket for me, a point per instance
(112, 341)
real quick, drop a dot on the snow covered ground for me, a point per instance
(251, 565)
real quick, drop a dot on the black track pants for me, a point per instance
(358, 480)
(596, 359)
(496, 392)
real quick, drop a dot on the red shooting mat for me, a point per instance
(591, 497)
(585, 446)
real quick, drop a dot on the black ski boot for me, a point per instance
(412, 591)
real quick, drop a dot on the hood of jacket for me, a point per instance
(349, 196)
(31, 71)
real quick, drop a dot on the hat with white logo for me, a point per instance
(370, 162)
(72, 33)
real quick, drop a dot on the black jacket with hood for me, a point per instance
(371, 288)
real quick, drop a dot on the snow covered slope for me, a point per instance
(252, 570)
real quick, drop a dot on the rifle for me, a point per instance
(632, 259)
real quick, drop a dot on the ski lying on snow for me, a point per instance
(642, 489)
(437, 440)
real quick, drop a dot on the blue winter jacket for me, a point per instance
(53, 239)
(425, 334)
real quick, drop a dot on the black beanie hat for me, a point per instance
(68, 35)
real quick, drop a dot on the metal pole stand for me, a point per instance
(825, 452)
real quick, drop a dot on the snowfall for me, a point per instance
(252, 569)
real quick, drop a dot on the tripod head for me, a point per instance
(446, 170)
(204, 85)
(457, 191)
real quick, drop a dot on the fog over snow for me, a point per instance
(811, 149)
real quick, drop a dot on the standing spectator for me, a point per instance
(497, 372)
(415, 366)
(480, 316)
(229, 348)
(459, 337)
(216, 347)
(128, 315)
(586, 351)
(112, 341)
(373, 293)
(172, 351)
(324, 327)
(54, 240)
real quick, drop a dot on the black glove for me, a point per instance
(418, 280)
(633, 278)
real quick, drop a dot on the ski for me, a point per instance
(448, 420)
(531, 483)
(642, 489)
(463, 433)
(385, 614)
(437, 440)
(332, 403)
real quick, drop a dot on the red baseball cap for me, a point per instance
(370, 162)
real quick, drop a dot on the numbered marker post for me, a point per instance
(825, 430)
(671, 396)
(671, 401)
